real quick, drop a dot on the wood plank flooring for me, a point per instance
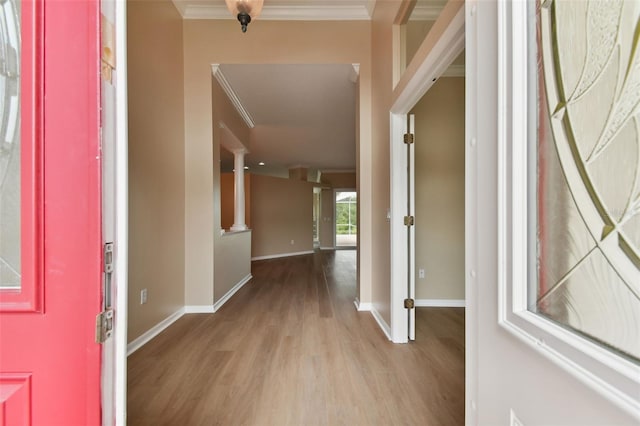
(290, 349)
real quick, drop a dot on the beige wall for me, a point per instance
(232, 261)
(439, 190)
(415, 33)
(156, 163)
(207, 42)
(339, 180)
(203, 212)
(382, 79)
(282, 211)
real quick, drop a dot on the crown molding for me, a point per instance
(279, 12)
(298, 12)
(217, 73)
(454, 71)
(371, 5)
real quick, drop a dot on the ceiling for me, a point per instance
(304, 114)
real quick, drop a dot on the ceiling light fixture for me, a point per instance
(261, 163)
(245, 10)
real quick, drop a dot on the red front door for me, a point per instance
(49, 361)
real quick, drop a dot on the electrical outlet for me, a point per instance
(421, 273)
(143, 296)
(292, 242)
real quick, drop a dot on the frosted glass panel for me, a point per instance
(586, 61)
(595, 300)
(9, 144)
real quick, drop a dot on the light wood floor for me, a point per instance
(290, 349)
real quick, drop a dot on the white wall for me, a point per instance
(510, 375)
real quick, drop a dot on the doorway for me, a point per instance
(429, 63)
(416, 81)
(439, 195)
(346, 218)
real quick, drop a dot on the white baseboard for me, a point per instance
(276, 256)
(198, 309)
(440, 303)
(362, 307)
(381, 322)
(231, 292)
(327, 248)
(154, 331)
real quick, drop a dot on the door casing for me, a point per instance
(426, 66)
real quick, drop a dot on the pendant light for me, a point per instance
(245, 10)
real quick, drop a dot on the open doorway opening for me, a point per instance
(435, 58)
(346, 214)
(439, 195)
(439, 191)
(427, 152)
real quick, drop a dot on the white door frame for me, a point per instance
(433, 64)
(122, 214)
(114, 361)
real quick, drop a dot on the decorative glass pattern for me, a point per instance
(9, 144)
(587, 169)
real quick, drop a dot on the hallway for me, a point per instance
(290, 348)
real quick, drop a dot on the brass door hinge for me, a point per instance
(408, 221)
(408, 138)
(409, 303)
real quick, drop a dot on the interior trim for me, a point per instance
(217, 305)
(224, 83)
(280, 12)
(330, 12)
(145, 337)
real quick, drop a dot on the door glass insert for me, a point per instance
(10, 144)
(585, 257)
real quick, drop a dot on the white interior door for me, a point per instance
(402, 213)
(411, 230)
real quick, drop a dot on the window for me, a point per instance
(10, 145)
(570, 187)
